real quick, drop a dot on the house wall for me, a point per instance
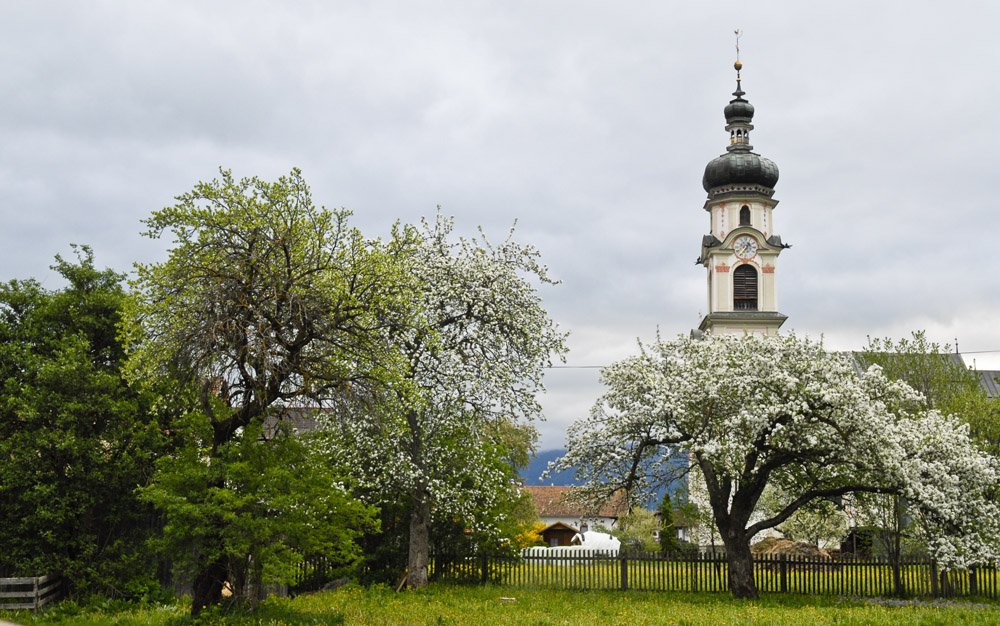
(559, 536)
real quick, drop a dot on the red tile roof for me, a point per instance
(550, 502)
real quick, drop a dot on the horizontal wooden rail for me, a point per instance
(35, 591)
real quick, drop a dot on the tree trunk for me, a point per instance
(741, 581)
(208, 586)
(420, 530)
(897, 550)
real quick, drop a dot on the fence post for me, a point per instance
(973, 581)
(486, 566)
(35, 579)
(897, 579)
(694, 571)
(783, 565)
(934, 579)
(624, 564)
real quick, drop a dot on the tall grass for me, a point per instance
(507, 606)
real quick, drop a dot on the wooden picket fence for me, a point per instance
(652, 571)
(28, 593)
(314, 572)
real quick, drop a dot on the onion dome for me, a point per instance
(740, 169)
(738, 109)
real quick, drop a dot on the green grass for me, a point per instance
(483, 606)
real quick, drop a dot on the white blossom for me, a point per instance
(747, 412)
(476, 345)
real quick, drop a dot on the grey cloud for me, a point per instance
(588, 124)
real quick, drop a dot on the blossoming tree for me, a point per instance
(749, 412)
(476, 342)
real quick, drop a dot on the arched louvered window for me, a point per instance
(745, 288)
(744, 215)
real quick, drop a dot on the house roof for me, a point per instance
(560, 526)
(988, 381)
(987, 378)
(302, 419)
(550, 502)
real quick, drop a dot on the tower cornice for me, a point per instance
(711, 203)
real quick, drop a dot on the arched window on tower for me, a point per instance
(744, 215)
(745, 288)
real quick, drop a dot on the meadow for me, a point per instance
(507, 606)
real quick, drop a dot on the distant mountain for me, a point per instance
(532, 475)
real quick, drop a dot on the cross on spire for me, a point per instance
(738, 65)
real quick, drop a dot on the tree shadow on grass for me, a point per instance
(273, 610)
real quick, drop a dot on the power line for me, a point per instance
(598, 367)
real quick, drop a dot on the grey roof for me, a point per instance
(710, 241)
(987, 378)
(952, 357)
(988, 381)
(956, 359)
(301, 419)
(775, 240)
(738, 109)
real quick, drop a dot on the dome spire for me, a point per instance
(740, 168)
(739, 113)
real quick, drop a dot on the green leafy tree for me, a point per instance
(285, 500)
(668, 534)
(265, 301)
(821, 523)
(75, 438)
(637, 530)
(885, 525)
(946, 384)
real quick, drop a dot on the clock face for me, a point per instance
(745, 247)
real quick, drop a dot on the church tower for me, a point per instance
(741, 251)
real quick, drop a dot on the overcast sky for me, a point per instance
(589, 123)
